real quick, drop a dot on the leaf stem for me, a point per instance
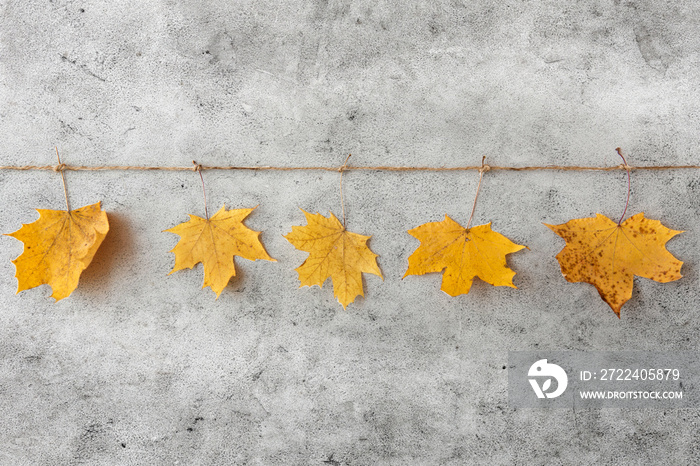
(484, 168)
(342, 199)
(629, 185)
(198, 168)
(59, 168)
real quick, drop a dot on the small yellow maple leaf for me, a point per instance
(608, 256)
(463, 254)
(58, 247)
(214, 242)
(333, 252)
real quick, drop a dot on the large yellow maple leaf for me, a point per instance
(608, 256)
(214, 242)
(333, 252)
(463, 254)
(58, 247)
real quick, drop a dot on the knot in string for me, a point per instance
(60, 167)
(345, 165)
(624, 167)
(484, 168)
(197, 167)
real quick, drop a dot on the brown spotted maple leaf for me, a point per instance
(608, 255)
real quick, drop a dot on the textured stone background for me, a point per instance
(137, 367)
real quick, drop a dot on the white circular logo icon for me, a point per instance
(543, 371)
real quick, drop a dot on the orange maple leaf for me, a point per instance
(608, 256)
(463, 254)
(214, 242)
(333, 252)
(58, 247)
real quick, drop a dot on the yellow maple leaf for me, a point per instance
(463, 254)
(214, 243)
(58, 247)
(333, 252)
(608, 256)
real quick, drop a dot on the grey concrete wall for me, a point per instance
(137, 367)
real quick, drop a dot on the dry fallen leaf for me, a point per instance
(608, 256)
(333, 252)
(214, 242)
(58, 247)
(463, 254)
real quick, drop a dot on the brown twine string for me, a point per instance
(198, 168)
(483, 169)
(342, 199)
(629, 184)
(63, 167)
(60, 168)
